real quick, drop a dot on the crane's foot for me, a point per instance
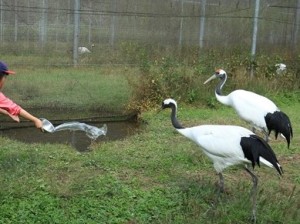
(253, 218)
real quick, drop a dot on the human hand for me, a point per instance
(38, 123)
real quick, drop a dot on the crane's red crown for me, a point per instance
(220, 71)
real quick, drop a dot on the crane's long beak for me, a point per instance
(158, 110)
(211, 78)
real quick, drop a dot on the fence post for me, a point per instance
(43, 24)
(181, 25)
(296, 26)
(113, 21)
(1, 21)
(254, 37)
(202, 23)
(76, 31)
(16, 21)
(28, 24)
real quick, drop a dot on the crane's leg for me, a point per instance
(253, 194)
(221, 184)
(220, 189)
(266, 136)
(264, 132)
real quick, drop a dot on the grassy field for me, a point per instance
(72, 88)
(154, 176)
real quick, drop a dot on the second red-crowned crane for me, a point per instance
(257, 110)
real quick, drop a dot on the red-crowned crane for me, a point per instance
(257, 110)
(280, 68)
(228, 145)
(84, 50)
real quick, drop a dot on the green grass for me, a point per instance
(73, 88)
(154, 176)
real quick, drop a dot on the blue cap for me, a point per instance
(4, 69)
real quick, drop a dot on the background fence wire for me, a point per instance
(35, 27)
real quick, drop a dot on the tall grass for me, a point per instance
(183, 78)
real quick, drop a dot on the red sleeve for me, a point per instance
(9, 105)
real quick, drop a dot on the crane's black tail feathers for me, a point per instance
(280, 123)
(255, 147)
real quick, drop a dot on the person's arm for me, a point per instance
(37, 122)
(14, 117)
(10, 108)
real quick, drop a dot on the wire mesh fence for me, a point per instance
(30, 27)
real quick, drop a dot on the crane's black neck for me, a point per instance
(221, 84)
(174, 120)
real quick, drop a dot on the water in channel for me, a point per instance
(25, 132)
(77, 139)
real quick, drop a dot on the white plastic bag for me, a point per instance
(92, 132)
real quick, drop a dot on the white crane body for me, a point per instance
(83, 50)
(255, 109)
(221, 143)
(228, 145)
(250, 106)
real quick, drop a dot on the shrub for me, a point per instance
(171, 76)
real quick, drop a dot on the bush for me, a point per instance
(171, 76)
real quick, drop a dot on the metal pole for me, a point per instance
(134, 22)
(181, 25)
(76, 31)
(1, 20)
(112, 38)
(44, 22)
(57, 25)
(68, 31)
(297, 24)
(28, 24)
(202, 24)
(90, 23)
(16, 21)
(254, 36)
